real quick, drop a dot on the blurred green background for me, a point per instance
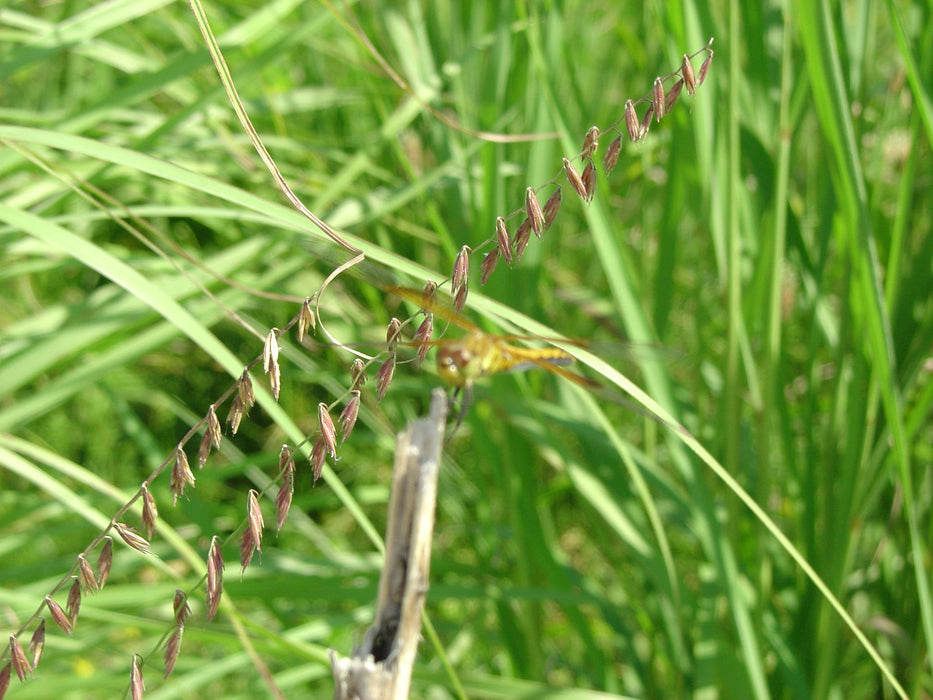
(767, 248)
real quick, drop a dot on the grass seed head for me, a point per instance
(306, 319)
(215, 575)
(611, 156)
(423, 337)
(132, 538)
(150, 512)
(86, 573)
(392, 333)
(137, 686)
(328, 433)
(590, 142)
(317, 459)
(180, 607)
(58, 615)
(104, 562)
(574, 178)
(690, 81)
(672, 95)
(181, 476)
(37, 643)
(73, 604)
(503, 240)
(283, 498)
(172, 649)
(357, 374)
(533, 209)
(349, 415)
(551, 207)
(18, 658)
(631, 121)
(657, 97)
(522, 236)
(488, 266)
(384, 376)
(588, 178)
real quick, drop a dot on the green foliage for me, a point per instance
(766, 247)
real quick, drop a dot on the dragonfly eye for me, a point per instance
(451, 362)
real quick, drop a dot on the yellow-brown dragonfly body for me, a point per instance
(479, 354)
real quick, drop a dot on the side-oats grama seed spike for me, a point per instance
(551, 207)
(503, 240)
(58, 615)
(349, 414)
(285, 458)
(704, 68)
(132, 538)
(213, 427)
(460, 297)
(37, 643)
(137, 685)
(423, 338)
(283, 499)
(384, 376)
(172, 649)
(245, 389)
(150, 513)
(574, 178)
(522, 236)
(673, 94)
(645, 122)
(490, 260)
(247, 549)
(18, 659)
(73, 604)
(181, 476)
(657, 98)
(104, 561)
(588, 178)
(461, 270)
(87, 575)
(631, 121)
(204, 449)
(270, 351)
(254, 518)
(611, 156)
(686, 70)
(236, 414)
(317, 459)
(357, 374)
(306, 320)
(590, 142)
(215, 575)
(328, 433)
(6, 674)
(533, 209)
(392, 333)
(180, 607)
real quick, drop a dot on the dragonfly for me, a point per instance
(461, 362)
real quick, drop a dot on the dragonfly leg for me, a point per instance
(465, 394)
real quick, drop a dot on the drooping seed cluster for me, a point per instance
(535, 219)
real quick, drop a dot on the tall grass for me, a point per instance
(766, 247)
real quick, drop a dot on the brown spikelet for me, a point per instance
(522, 236)
(460, 274)
(132, 538)
(551, 207)
(690, 81)
(172, 649)
(150, 513)
(58, 615)
(104, 561)
(672, 95)
(6, 673)
(37, 643)
(182, 475)
(270, 362)
(254, 518)
(283, 499)
(137, 686)
(328, 433)
(18, 658)
(236, 414)
(590, 142)
(306, 320)
(247, 549)
(533, 209)
(704, 68)
(503, 240)
(245, 390)
(429, 292)
(384, 376)
(611, 157)
(392, 333)
(317, 459)
(574, 178)
(180, 607)
(88, 578)
(631, 120)
(588, 178)
(73, 604)
(357, 374)
(645, 122)
(422, 337)
(460, 297)
(350, 412)
(215, 576)
(657, 99)
(490, 260)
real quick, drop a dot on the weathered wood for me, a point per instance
(380, 668)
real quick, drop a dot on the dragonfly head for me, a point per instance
(453, 363)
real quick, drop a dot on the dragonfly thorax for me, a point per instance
(452, 361)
